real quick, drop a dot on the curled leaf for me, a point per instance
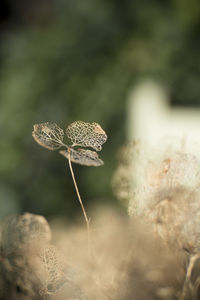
(48, 135)
(83, 157)
(86, 135)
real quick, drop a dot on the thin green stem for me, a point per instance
(81, 203)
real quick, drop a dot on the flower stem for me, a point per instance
(81, 203)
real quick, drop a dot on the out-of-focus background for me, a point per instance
(108, 61)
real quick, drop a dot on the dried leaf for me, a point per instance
(54, 275)
(83, 157)
(48, 135)
(86, 135)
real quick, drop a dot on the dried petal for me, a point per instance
(86, 135)
(48, 135)
(83, 157)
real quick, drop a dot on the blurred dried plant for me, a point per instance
(21, 240)
(30, 267)
(54, 277)
(129, 261)
(82, 134)
(161, 185)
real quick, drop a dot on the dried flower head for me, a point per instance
(82, 134)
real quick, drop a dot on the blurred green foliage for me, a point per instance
(79, 64)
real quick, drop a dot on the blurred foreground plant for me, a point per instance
(82, 134)
(161, 185)
(21, 240)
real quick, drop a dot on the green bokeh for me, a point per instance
(79, 65)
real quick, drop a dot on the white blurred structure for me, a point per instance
(150, 116)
